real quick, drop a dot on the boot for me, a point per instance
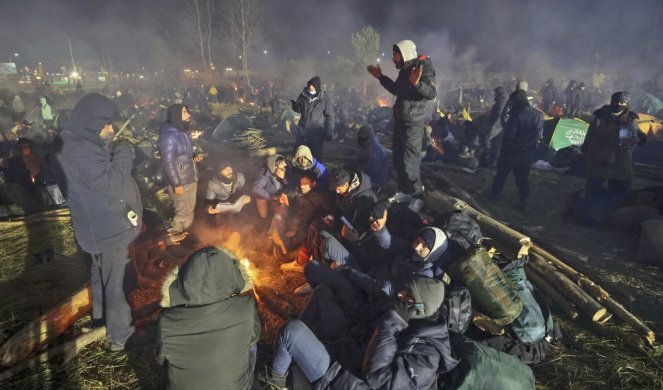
(277, 382)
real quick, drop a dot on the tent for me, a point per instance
(231, 125)
(651, 126)
(645, 102)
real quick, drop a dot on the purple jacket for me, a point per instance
(176, 156)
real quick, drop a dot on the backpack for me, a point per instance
(457, 309)
(532, 331)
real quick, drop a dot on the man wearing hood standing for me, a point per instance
(608, 145)
(522, 133)
(317, 116)
(105, 206)
(414, 86)
(179, 165)
(491, 142)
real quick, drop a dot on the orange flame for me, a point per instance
(382, 102)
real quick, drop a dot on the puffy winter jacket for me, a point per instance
(400, 355)
(98, 185)
(176, 156)
(411, 100)
(266, 185)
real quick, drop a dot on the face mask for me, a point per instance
(615, 109)
(312, 93)
(226, 180)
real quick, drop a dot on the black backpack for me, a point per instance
(457, 309)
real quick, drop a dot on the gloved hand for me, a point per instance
(401, 308)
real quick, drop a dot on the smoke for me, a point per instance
(476, 41)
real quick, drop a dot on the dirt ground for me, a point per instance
(581, 361)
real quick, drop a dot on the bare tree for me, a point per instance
(199, 25)
(242, 21)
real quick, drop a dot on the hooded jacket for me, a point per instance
(99, 188)
(372, 159)
(176, 151)
(315, 166)
(208, 325)
(356, 206)
(406, 265)
(606, 156)
(46, 112)
(523, 129)
(317, 111)
(411, 100)
(267, 184)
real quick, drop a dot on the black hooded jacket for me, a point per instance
(317, 111)
(100, 190)
(411, 100)
(357, 206)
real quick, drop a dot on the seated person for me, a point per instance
(304, 161)
(209, 327)
(223, 191)
(407, 350)
(269, 188)
(312, 204)
(372, 158)
(355, 199)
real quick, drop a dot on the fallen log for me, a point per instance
(46, 328)
(69, 350)
(551, 292)
(579, 263)
(570, 290)
(580, 277)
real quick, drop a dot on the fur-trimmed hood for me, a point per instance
(210, 275)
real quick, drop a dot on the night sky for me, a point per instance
(498, 34)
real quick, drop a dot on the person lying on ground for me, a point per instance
(407, 350)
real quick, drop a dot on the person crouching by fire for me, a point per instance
(209, 327)
(269, 188)
(224, 191)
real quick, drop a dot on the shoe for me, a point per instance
(304, 289)
(400, 197)
(292, 266)
(416, 205)
(277, 382)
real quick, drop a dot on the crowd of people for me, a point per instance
(378, 275)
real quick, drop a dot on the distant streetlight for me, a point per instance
(328, 51)
(12, 56)
(264, 52)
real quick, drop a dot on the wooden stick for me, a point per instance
(554, 253)
(550, 292)
(580, 298)
(46, 328)
(621, 312)
(69, 350)
(275, 303)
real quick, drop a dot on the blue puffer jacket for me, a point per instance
(176, 156)
(98, 185)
